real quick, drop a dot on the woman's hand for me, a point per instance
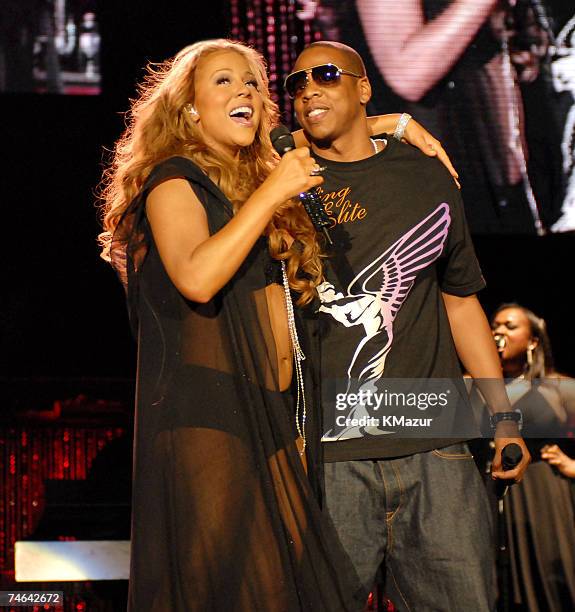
(416, 135)
(555, 456)
(293, 175)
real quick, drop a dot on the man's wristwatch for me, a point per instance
(515, 416)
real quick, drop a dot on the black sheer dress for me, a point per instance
(224, 517)
(539, 512)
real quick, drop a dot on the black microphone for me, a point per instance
(500, 342)
(282, 141)
(511, 456)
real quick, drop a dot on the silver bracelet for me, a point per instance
(401, 125)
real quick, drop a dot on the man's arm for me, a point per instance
(476, 349)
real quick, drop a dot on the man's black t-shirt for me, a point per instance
(400, 240)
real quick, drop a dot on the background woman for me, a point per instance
(198, 219)
(541, 518)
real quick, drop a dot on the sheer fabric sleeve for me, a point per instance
(132, 238)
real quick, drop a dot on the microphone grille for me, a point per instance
(512, 455)
(500, 342)
(282, 140)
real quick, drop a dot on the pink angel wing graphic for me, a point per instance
(376, 294)
(395, 271)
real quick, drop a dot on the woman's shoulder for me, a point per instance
(179, 166)
(556, 379)
(176, 166)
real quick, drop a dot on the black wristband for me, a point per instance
(515, 416)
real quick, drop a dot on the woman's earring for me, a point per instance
(530, 355)
(192, 111)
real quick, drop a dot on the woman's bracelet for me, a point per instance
(401, 125)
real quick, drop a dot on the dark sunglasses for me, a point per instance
(324, 74)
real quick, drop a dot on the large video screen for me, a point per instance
(494, 81)
(488, 83)
(49, 46)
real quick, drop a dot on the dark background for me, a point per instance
(62, 311)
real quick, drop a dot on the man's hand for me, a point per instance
(476, 349)
(506, 433)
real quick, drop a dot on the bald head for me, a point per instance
(343, 55)
(333, 111)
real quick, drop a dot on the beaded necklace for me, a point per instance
(374, 142)
(298, 357)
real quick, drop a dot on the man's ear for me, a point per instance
(364, 90)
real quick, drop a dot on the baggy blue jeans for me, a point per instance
(425, 519)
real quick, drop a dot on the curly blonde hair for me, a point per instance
(159, 126)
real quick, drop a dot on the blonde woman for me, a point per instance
(201, 227)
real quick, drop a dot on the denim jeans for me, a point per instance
(425, 519)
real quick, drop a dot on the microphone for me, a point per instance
(500, 342)
(282, 141)
(511, 456)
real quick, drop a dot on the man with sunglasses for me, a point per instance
(398, 304)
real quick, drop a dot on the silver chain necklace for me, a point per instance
(298, 357)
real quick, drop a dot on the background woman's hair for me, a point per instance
(159, 126)
(543, 364)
